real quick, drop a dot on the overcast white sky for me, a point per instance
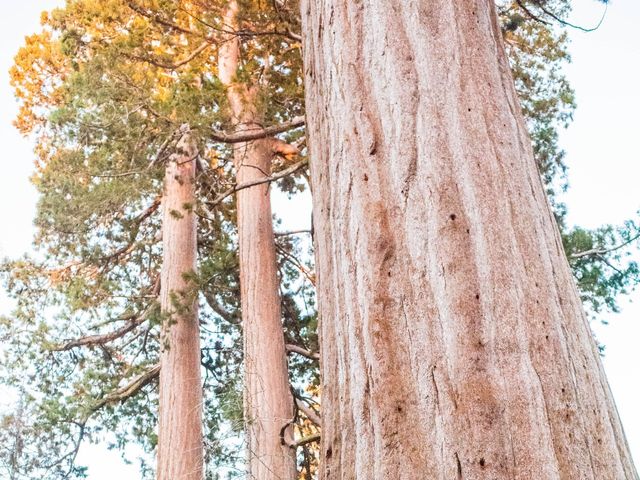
(602, 153)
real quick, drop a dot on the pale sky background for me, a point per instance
(602, 153)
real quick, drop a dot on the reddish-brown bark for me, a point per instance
(268, 403)
(180, 444)
(453, 341)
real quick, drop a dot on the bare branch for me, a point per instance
(192, 55)
(302, 351)
(603, 251)
(272, 178)
(305, 440)
(294, 36)
(256, 134)
(219, 309)
(291, 232)
(309, 412)
(118, 175)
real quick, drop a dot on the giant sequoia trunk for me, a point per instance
(454, 344)
(180, 418)
(268, 403)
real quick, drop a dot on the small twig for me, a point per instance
(296, 263)
(548, 12)
(568, 24)
(604, 260)
(530, 13)
(118, 175)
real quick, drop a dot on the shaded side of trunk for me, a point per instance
(268, 403)
(454, 343)
(180, 420)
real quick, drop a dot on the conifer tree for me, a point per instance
(104, 90)
(116, 123)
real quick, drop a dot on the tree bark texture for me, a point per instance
(180, 446)
(268, 403)
(454, 343)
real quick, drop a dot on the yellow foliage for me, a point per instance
(39, 70)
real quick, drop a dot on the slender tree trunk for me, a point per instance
(454, 343)
(268, 403)
(180, 420)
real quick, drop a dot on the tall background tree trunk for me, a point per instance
(180, 420)
(268, 403)
(454, 343)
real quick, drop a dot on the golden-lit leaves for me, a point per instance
(37, 76)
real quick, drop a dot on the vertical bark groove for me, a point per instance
(180, 444)
(453, 339)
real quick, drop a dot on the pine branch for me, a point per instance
(129, 390)
(94, 340)
(71, 454)
(119, 395)
(245, 32)
(103, 339)
(170, 66)
(156, 17)
(530, 13)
